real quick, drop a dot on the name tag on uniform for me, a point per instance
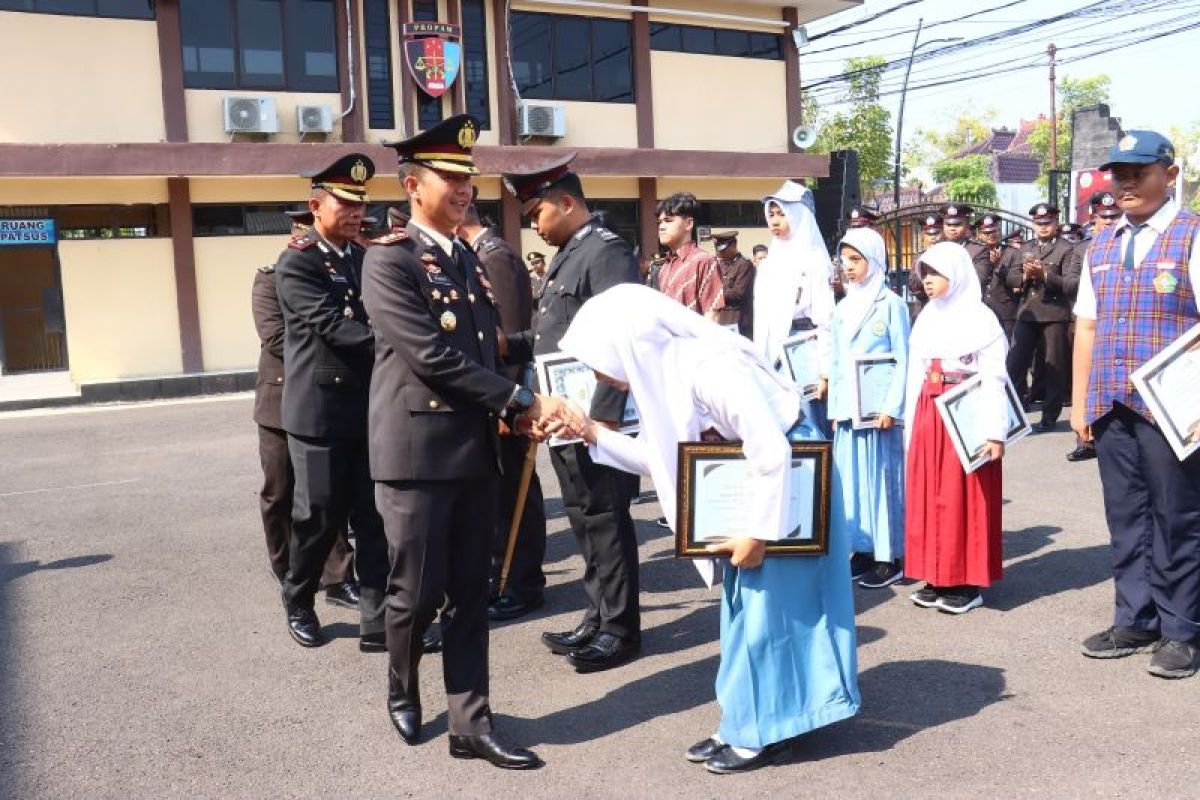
(1096, 270)
(1161, 265)
(338, 278)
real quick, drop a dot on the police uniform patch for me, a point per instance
(606, 234)
(1165, 283)
(584, 231)
(301, 242)
(392, 238)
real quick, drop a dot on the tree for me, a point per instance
(1073, 94)
(866, 126)
(1187, 149)
(967, 179)
(929, 147)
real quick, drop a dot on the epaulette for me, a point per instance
(395, 237)
(606, 234)
(267, 270)
(302, 241)
(490, 246)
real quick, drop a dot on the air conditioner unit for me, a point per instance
(314, 119)
(250, 115)
(540, 119)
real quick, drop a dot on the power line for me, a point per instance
(867, 20)
(911, 29)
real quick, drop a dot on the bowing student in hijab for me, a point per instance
(952, 519)
(792, 291)
(788, 662)
(868, 464)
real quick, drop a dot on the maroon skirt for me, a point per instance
(952, 519)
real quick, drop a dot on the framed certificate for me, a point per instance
(716, 487)
(871, 379)
(962, 410)
(569, 378)
(800, 352)
(1169, 384)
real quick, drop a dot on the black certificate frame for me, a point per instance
(693, 455)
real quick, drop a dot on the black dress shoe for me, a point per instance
(703, 751)
(606, 651)
(1083, 452)
(490, 749)
(304, 627)
(727, 761)
(1046, 426)
(569, 641)
(510, 606)
(431, 641)
(372, 643)
(344, 594)
(406, 718)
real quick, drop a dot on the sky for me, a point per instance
(1151, 82)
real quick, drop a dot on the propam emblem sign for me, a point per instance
(433, 51)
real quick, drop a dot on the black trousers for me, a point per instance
(333, 487)
(597, 501)
(525, 577)
(1152, 502)
(1053, 336)
(275, 504)
(438, 537)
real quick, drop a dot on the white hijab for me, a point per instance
(957, 324)
(860, 297)
(642, 337)
(795, 266)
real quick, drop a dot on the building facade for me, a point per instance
(149, 148)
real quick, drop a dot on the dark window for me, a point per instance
(236, 220)
(259, 44)
(429, 109)
(475, 66)
(377, 36)
(112, 222)
(710, 41)
(557, 57)
(624, 217)
(732, 214)
(124, 9)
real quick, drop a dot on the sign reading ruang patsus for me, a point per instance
(27, 231)
(433, 51)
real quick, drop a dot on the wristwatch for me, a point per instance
(521, 401)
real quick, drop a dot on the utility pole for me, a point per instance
(1051, 50)
(896, 231)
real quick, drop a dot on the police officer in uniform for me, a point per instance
(275, 497)
(862, 217)
(956, 222)
(997, 295)
(524, 591)
(589, 260)
(328, 352)
(931, 234)
(737, 283)
(437, 399)
(1040, 274)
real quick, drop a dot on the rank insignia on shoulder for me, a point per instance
(584, 231)
(606, 234)
(392, 238)
(267, 270)
(490, 247)
(302, 241)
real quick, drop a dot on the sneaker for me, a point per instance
(959, 600)
(1118, 642)
(1174, 660)
(925, 597)
(662, 522)
(861, 565)
(885, 573)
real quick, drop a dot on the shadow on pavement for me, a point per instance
(901, 699)
(1049, 574)
(11, 708)
(1028, 541)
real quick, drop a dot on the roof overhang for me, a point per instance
(274, 159)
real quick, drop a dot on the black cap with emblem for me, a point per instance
(956, 212)
(988, 223)
(345, 178)
(862, 216)
(446, 146)
(529, 187)
(931, 224)
(1044, 212)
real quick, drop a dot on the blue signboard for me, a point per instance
(27, 232)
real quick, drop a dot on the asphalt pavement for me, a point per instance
(143, 652)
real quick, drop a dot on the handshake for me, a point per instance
(553, 416)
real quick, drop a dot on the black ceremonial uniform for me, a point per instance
(275, 497)
(514, 300)
(435, 402)
(1042, 318)
(596, 497)
(328, 349)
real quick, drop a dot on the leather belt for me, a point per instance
(947, 378)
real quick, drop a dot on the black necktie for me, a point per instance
(1133, 230)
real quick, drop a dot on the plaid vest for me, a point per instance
(1139, 312)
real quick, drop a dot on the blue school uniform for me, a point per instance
(868, 465)
(788, 658)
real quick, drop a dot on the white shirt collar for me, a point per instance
(443, 241)
(1160, 221)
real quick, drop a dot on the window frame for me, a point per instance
(291, 83)
(678, 33)
(553, 95)
(150, 12)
